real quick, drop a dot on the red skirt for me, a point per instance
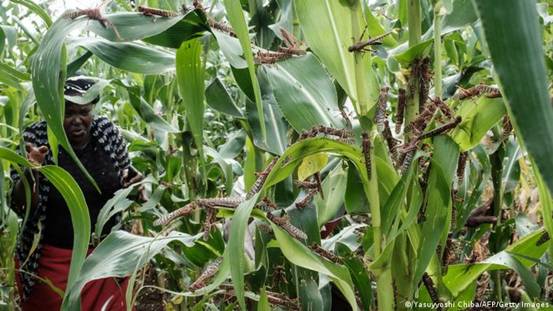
(53, 265)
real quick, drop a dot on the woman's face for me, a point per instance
(77, 123)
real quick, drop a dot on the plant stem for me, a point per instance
(385, 290)
(497, 292)
(437, 51)
(296, 31)
(384, 281)
(435, 266)
(414, 23)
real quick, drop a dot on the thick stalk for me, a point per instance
(411, 112)
(385, 290)
(437, 51)
(296, 30)
(435, 266)
(384, 281)
(414, 23)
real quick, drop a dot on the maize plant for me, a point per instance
(297, 155)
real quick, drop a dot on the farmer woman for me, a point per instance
(103, 152)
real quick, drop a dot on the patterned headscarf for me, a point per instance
(82, 90)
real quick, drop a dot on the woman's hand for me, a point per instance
(36, 155)
(132, 176)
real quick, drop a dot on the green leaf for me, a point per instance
(462, 14)
(528, 279)
(190, 78)
(12, 156)
(327, 26)
(282, 169)
(147, 113)
(334, 191)
(35, 8)
(438, 207)
(395, 200)
(236, 253)
(358, 272)
(355, 202)
(306, 220)
(12, 77)
(277, 139)
(77, 63)
(285, 20)
(74, 198)
(219, 99)
(263, 304)
(133, 57)
(132, 26)
(300, 255)
(231, 48)
(304, 93)
(521, 72)
(238, 22)
(48, 75)
(406, 56)
(15, 73)
(25, 106)
(249, 164)
(80, 218)
(116, 256)
(117, 204)
(478, 117)
(460, 276)
(193, 24)
(465, 297)
(2, 39)
(311, 165)
(375, 28)
(295, 153)
(10, 35)
(387, 176)
(226, 167)
(546, 201)
(309, 295)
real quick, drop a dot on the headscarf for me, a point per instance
(83, 90)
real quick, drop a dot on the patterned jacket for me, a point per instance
(111, 142)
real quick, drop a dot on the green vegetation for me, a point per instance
(299, 154)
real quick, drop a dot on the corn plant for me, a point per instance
(312, 155)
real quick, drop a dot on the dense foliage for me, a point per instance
(310, 155)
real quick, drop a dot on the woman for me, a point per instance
(103, 152)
